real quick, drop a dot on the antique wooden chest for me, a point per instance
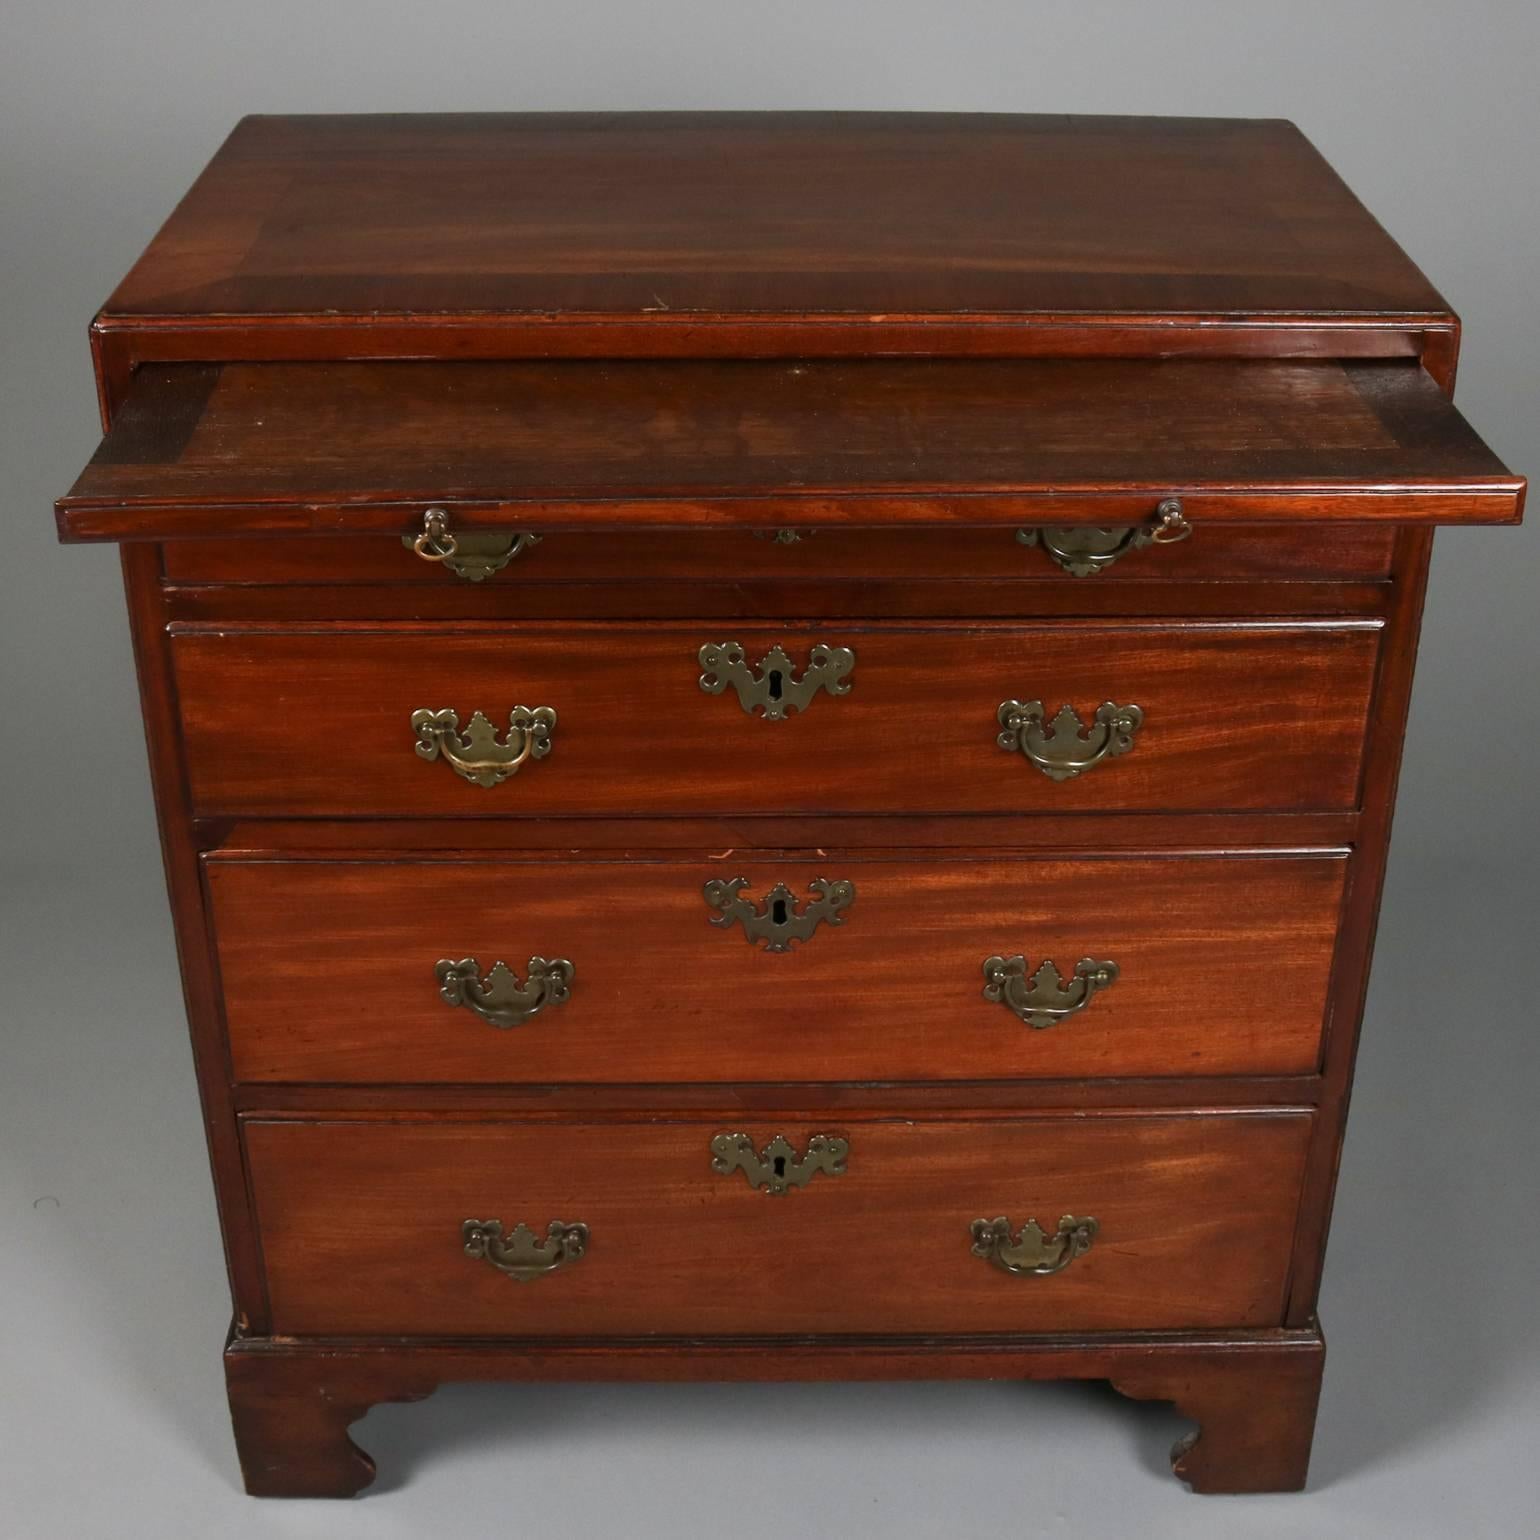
(775, 737)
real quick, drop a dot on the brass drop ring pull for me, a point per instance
(1085, 549)
(435, 543)
(1032, 1254)
(475, 754)
(519, 1255)
(1065, 747)
(778, 1168)
(1044, 999)
(772, 686)
(1170, 526)
(500, 999)
(472, 557)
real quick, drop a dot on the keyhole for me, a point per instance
(775, 684)
(780, 1165)
(778, 911)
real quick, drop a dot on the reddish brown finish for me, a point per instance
(360, 1226)
(1255, 1422)
(771, 602)
(1245, 1442)
(1387, 730)
(195, 954)
(320, 241)
(122, 346)
(318, 722)
(684, 221)
(1223, 969)
(903, 557)
(291, 1416)
(1063, 834)
(830, 1101)
(317, 448)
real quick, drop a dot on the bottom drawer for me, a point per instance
(363, 1224)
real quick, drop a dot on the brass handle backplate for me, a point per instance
(772, 687)
(519, 1255)
(500, 999)
(475, 754)
(472, 557)
(778, 923)
(1066, 747)
(1032, 1254)
(1085, 549)
(778, 1168)
(1044, 998)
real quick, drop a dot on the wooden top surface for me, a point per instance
(315, 446)
(676, 217)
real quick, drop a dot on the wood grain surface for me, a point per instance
(360, 1224)
(322, 447)
(328, 969)
(645, 337)
(1252, 1393)
(674, 219)
(317, 721)
(855, 558)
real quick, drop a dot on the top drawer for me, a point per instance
(839, 718)
(494, 563)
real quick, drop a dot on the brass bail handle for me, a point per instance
(475, 754)
(1083, 550)
(1043, 997)
(1032, 1253)
(474, 557)
(519, 1253)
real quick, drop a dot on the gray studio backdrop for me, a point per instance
(111, 1312)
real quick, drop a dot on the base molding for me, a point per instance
(1253, 1394)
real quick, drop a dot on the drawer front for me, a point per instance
(1318, 553)
(363, 1225)
(1232, 716)
(340, 972)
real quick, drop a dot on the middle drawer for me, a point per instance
(767, 968)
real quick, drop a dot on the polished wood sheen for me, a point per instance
(660, 342)
(237, 449)
(677, 220)
(1252, 1393)
(1223, 968)
(360, 1226)
(317, 722)
(910, 559)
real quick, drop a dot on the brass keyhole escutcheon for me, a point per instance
(773, 687)
(778, 1168)
(778, 924)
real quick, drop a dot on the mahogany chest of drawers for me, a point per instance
(775, 737)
